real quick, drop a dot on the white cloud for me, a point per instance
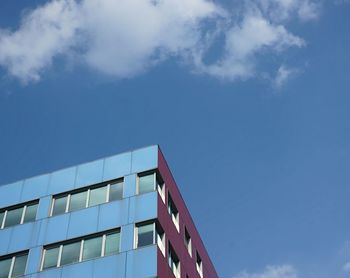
(281, 10)
(281, 271)
(283, 75)
(123, 38)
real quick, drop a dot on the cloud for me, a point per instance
(124, 38)
(283, 75)
(281, 271)
(254, 35)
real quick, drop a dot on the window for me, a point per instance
(161, 188)
(173, 261)
(160, 238)
(199, 264)
(98, 196)
(146, 183)
(59, 205)
(70, 253)
(92, 248)
(173, 212)
(13, 265)
(30, 213)
(78, 250)
(112, 243)
(78, 201)
(144, 234)
(147, 233)
(51, 257)
(188, 242)
(18, 215)
(116, 191)
(87, 197)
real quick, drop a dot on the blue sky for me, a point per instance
(249, 101)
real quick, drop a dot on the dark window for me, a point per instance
(116, 191)
(59, 206)
(145, 234)
(70, 253)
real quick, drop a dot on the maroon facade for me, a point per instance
(177, 239)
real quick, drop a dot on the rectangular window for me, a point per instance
(160, 238)
(51, 257)
(98, 196)
(77, 201)
(59, 205)
(30, 213)
(18, 215)
(112, 243)
(199, 264)
(70, 253)
(92, 248)
(116, 191)
(173, 212)
(78, 250)
(146, 183)
(188, 242)
(13, 217)
(161, 188)
(92, 196)
(144, 234)
(13, 265)
(173, 261)
(20, 265)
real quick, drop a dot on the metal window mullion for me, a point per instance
(12, 265)
(154, 233)
(81, 250)
(87, 198)
(42, 260)
(3, 220)
(154, 181)
(68, 203)
(108, 192)
(136, 236)
(103, 249)
(23, 214)
(52, 206)
(59, 256)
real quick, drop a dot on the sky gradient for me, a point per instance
(248, 100)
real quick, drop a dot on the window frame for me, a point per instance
(136, 233)
(175, 261)
(188, 241)
(173, 212)
(13, 261)
(86, 189)
(80, 240)
(199, 264)
(22, 206)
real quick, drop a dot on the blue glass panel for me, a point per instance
(89, 173)
(143, 207)
(117, 166)
(83, 222)
(34, 188)
(142, 263)
(62, 180)
(110, 266)
(144, 159)
(10, 194)
(119, 210)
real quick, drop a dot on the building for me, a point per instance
(121, 216)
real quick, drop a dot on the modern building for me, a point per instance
(121, 216)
